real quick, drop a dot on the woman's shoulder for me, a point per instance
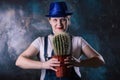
(41, 38)
(76, 37)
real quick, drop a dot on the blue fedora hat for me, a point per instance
(58, 9)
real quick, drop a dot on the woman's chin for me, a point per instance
(59, 31)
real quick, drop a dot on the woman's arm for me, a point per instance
(24, 60)
(94, 59)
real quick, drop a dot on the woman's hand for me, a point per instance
(71, 61)
(50, 64)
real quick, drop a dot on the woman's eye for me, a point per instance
(55, 20)
(63, 19)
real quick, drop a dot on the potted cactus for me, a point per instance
(62, 46)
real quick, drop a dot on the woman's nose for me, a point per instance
(59, 22)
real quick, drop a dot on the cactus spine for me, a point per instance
(62, 44)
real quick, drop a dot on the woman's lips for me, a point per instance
(59, 28)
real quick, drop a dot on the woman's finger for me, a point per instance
(53, 69)
(69, 66)
(53, 65)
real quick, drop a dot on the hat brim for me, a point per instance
(59, 15)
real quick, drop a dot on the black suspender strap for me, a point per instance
(52, 52)
(71, 44)
(45, 47)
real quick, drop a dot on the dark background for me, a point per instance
(97, 21)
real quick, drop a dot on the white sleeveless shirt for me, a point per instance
(78, 43)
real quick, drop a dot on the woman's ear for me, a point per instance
(68, 20)
(68, 17)
(49, 20)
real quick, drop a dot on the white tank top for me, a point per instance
(78, 43)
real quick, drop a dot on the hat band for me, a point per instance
(56, 12)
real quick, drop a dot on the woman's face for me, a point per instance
(59, 24)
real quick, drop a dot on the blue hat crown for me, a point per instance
(58, 9)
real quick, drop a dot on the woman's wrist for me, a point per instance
(42, 65)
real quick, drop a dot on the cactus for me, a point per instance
(62, 44)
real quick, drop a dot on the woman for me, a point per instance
(59, 19)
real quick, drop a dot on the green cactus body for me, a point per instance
(61, 44)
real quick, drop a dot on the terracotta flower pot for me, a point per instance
(62, 70)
